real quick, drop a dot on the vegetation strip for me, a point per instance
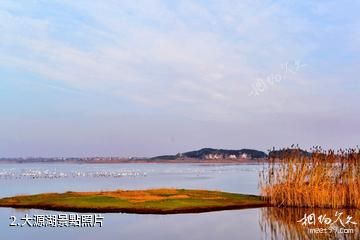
(320, 179)
(152, 201)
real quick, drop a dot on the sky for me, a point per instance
(144, 78)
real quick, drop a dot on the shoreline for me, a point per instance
(141, 161)
(151, 201)
(139, 210)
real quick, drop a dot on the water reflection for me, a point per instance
(224, 225)
(305, 223)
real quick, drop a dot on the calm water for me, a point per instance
(239, 224)
(38, 178)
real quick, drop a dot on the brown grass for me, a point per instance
(142, 196)
(325, 179)
(153, 201)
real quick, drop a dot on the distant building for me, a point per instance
(244, 156)
(214, 156)
(209, 156)
(232, 156)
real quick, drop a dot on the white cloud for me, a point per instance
(188, 59)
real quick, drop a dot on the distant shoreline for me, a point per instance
(204, 155)
(122, 161)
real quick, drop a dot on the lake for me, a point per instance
(237, 224)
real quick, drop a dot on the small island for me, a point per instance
(152, 201)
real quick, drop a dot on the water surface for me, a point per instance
(261, 223)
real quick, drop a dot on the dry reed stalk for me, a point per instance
(324, 179)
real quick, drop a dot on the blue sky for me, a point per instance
(141, 78)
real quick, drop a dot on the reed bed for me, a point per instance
(324, 178)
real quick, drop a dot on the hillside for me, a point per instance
(213, 154)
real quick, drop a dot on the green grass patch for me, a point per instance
(154, 201)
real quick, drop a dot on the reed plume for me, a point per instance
(324, 178)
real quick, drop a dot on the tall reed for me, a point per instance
(329, 179)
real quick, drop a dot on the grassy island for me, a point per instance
(153, 201)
